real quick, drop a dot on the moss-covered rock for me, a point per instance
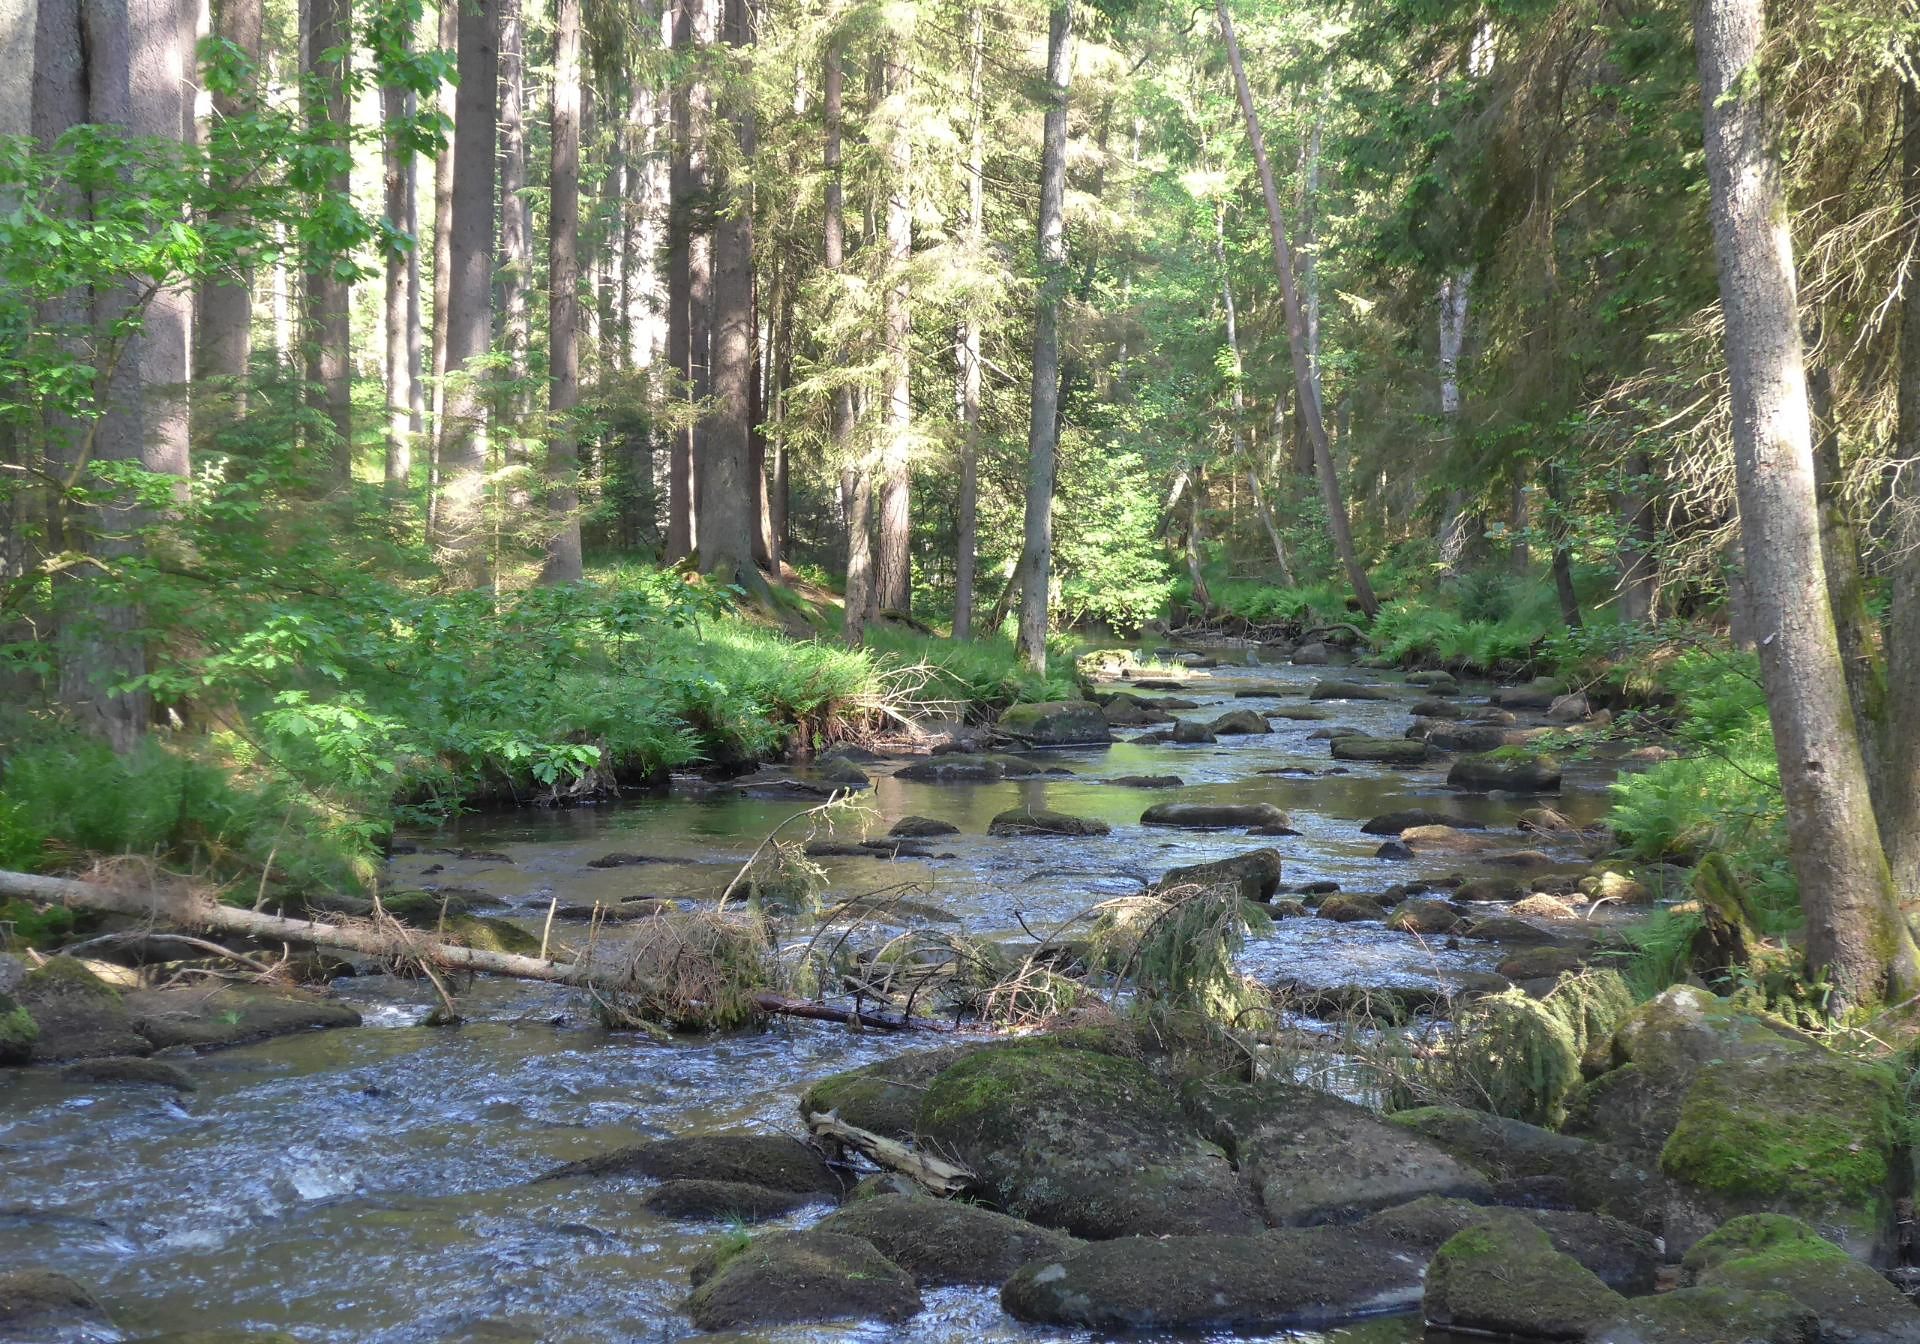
(41, 1303)
(1299, 1279)
(492, 935)
(1631, 1107)
(726, 1200)
(230, 1015)
(17, 1033)
(1087, 1142)
(1238, 723)
(131, 1069)
(882, 1098)
(1503, 1277)
(791, 1277)
(765, 1160)
(1056, 723)
(1507, 769)
(942, 1242)
(1347, 907)
(1622, 1256)
(1774, 1253)
(1255, 874)
(1348, 690)
(921, 828)
(1476, 737)
(77, 1014)
(955, 768)
(1419, 914)
(1314, 1158)
(1683, 1027)
(1379, 750)
(1039, 821)
(1536, 963)
(1433, 708)
(1191, 733)
(1711, 1316)
(1214, 816)
(1496, 1144)
(1813, 1135)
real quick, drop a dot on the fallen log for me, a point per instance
(943, 1178)
(189, 908)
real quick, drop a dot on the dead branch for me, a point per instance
(942, 1178)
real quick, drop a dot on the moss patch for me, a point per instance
(17, 1032)
(1505, 1278)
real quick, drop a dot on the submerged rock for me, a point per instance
(1521, 772)
(725, 1200)
(130, 1069)
(786, 1278)
(1302, 1279)
(766, 1160)
(38, 1303)
(942, 1242)
(1090, 1143)
(1056, 723)
(1213, 816)
(1503, 1277)
(1300, 713)
(1148, 781)
(1038, 821)
(1255, 873)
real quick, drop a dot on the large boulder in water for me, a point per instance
(768, 1160)
(944, 1242)
(1238, 723)
(76, 1014)
(1347, 690)
(230, 1015)
(1056, 723)
(1467, 737)
(1090, 1143)
(1517, 771)
(1711, 1316)
(1039, 821)
(882, 1098)
(1313, 654)
(727, 1201)
(1394, 823)
(1214, 816)
(1771, 1253)
(791, 1277)
(1504, 1277)
(1192, 733)
(1314, 1158)
(1381, 750)
(1620, 1255)
(1286, 1280)
(1255, 874)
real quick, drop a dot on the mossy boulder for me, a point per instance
(1773, 1253)
(1300, 713)
(1474, 737)
(1348, 690)
(1312, 1158)
(1056, 723)
(1535, 963)
(1622, 1256)
(729, 1201)
(1254, 874)
(424, 909)
(130, 1069)
(77, 1015)
(17, 1033)
(1711, 1316)
(1039, 821)
(1812, 1135)
(943, 1242)
(1683, 1027)
(957, 768)
(230, 1015)
(921, 828)
(1130, 711)
(1191, 733)
(1421, 914)
(1437, 680)
(489, 934)
(1509, 770)
(1270, 1281)
(1379, 750)
(787, 1278)
(766, 1160)
(42, 1303)
(1432, 708)
(1499, 1145)
(1632, 1107)
(1238, 723)
(1504, 1277)
(882, 1098)
(1214, 816)
(1082, 1141)
(1349, 907)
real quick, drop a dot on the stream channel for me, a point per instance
(369, 1185)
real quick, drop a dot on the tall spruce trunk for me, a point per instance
(463, 456)
(893, 586)
(1455, 298)
(223, 328)
(1043, 427)
(326, 44)
(402, 317)
(700, 254)
(967, 347)
(1897, 789)
(563, 301)
(449, 18)
(856, 488)
(1299, 338)
(679, 286)
(1639, 575)
(1856, 937)
(515, 270)
(1237, 407)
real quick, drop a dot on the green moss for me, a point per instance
(1516, 1056)
(18, 1032)
(65, 977)
(1772, 1236)
(1592, 1003)
(492, 935)
(25, 924)
(1816, 1129)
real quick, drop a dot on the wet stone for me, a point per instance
(770, 1161)
(726, 1201)
(1148, 781)
(943, 1242)
(1039, 821)
(1213, 816)
(786, 1278)
(132, 1070)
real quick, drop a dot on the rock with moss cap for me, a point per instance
(768, 1160)
(730, 1201)
(1238, 723)
(1503, 1277)
(1039, 821)
(1087, 1142)
(1213, 816)
(1254, 874)
(1507, 769)
(1620, 1255)
(1285, 1280)
(1379, 750)
(920, 828)
(42, 1303)
(130, 1069)
(788, 1278)
(1813, 1135)
(1711, 1316)
(1496, 1144)
(1684, 1026)
(883, 1098)
(1348, 907)
(1774, 1253)
(1314, 1158)
(1056, 723)
(77, 1014)
(943, 1242)
(1348, 690)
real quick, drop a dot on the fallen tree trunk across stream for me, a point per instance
(185, 907)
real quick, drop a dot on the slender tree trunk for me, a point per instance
(1195, 540)
(679, 288)
(325, 60)
(442, 265)
(1639, 576)
(1237, 403)
(225, 325)
(855, 488)
(700, 256)
(780, 501)
(1840, 552)
(894, 570)
(1298, 338)
(563, 300)
(1043, 429)
(1856, 937)
(463, 456)
(1897, 789)
(403, 321)
(515, 270)
(1455, 294)
(1521, 526)
(757, 400)
(161, 65)
(1562, 555)
(967, 347)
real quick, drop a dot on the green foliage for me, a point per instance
(987, 673)
(1261, 604)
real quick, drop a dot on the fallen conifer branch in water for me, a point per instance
(941, 1177)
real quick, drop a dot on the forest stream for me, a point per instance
(372, 1183)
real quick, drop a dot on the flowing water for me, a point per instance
(371, 1184)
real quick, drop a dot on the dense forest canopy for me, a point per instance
(399, 404)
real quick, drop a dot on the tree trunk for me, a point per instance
(1856, 938)
(1299, 344)
(1043, 428)
(1840, 553)
(780, 498)
(1897, 789)
(325, 59)
(1522, 556)
(1562, 556)
(442, 264)
(724, 522)
(700, 258)
(1639, 576)
(1237, 403)
(856, 489)
(515, 269)
(463, 458)
(563, 301)
(223, 331)
(1455, 294)
(894, 569)
(402, 320)
(159, 71)
(679, 287)
(967, 348)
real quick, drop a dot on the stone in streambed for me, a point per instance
(922, 827)
(1089, 1143)
(1255, 874)
(1148, 781)
(1422, 915)
(1467, 737)
(1435, 709)
(1238, 723)
(1711, 1316)
(724, 1200)
(941, 1242)
(1773, 1253)
(1296, 1279)
(882, 1098)
(1313, 1158)
(1513, 771)
(1622, 1256)
(1039, 821)
(1437, 682)
(622, 859)
(1445, 838)
(1213, 816)
(1130, 711)
(787, 1278)
(1397, 823)
(1347, 690)
(765, 1160)
(1300, 713)
(1188, 733)
(1538, 694)
(1505, 1278)
(230, 1015)
(1496, 1144)
(130, 1069)
(42, 1304)
(77, 1015)
(1312, 654)
(1056, 723)
(1345, 909)
(1384, 750)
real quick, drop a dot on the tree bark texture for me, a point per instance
(967, 348)
(563, 301)
(893, 586)
(326, 47)
(224, 327)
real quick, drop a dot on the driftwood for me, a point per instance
(185, 907)
(943, 1178)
